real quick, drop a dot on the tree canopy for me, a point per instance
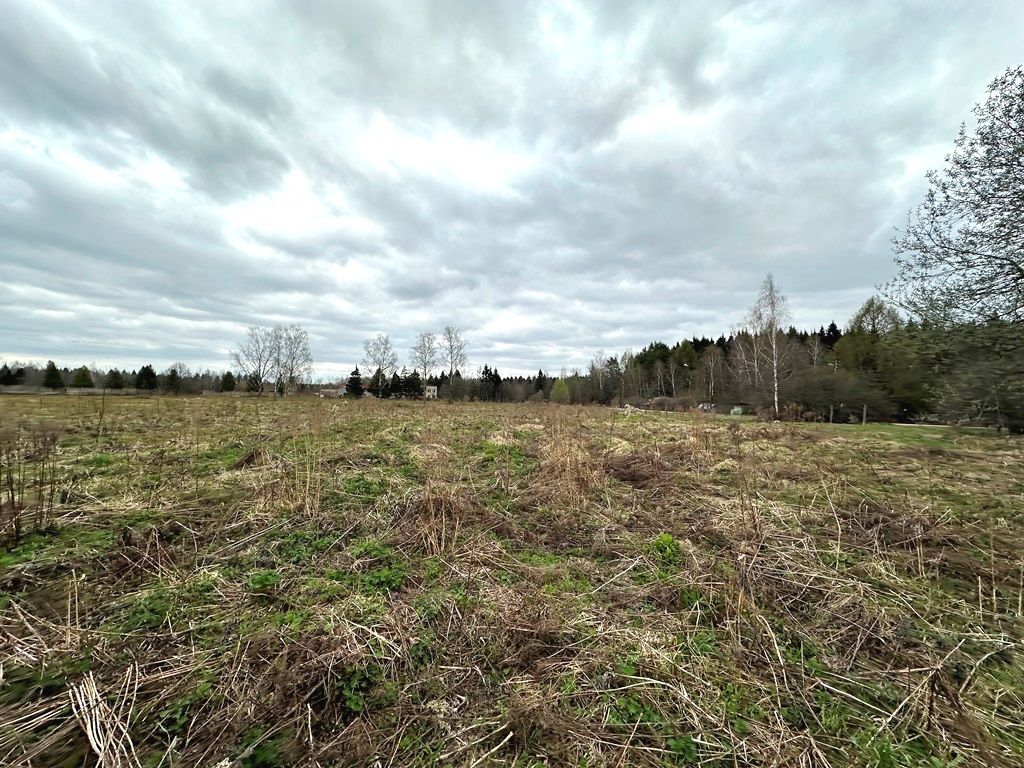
(961, 254)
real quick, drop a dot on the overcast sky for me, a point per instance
(553, 178)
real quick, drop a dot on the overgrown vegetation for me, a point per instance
(199, 581)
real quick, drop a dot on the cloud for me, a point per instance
(553, 177)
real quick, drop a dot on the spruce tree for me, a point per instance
(413, 385)
(114, 379)
(82, 378)
(227, 384)
(51, 377)
(173, 381)
(495, 385)
(831, 335)
(354, 388)
(146, 378)
(378, 384)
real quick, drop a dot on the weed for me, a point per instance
(264, 581)
(665, 550)
(148, 610)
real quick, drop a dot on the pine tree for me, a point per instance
(114, 379)
(173, 381)
(395, 388)
(146, 378)
(82, 378)
(355, 384)
(51, 377)
(228, 383)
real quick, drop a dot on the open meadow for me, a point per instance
(260, 582)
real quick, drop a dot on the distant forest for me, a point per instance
(897, 368)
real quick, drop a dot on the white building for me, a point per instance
(431, 393)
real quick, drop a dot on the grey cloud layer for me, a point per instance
(553, 177)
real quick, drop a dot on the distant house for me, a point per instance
(339, 392)
(431, 393)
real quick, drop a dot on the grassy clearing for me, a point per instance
(305, 582)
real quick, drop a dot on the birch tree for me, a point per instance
(255, 356)
(452, 349)
(765, 319)
(380, 355)
(279, 354)
(293, 359)
(424, 354)
(711, 371)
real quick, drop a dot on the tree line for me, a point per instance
(176, 379)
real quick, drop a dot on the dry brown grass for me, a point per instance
(243, 583)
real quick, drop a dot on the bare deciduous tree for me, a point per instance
(876, 318)
(711, 371)
(293, 360)
(815, 349)
(255, 356)
(279, 354)
(597, 369)
(424, 353)
(453, 349)
(379, 354)
(765, 319)
(961, 255)
(744, 362)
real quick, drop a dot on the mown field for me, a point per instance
(255, 583)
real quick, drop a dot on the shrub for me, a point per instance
(560, 392)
